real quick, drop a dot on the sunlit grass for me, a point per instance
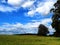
(28, 40)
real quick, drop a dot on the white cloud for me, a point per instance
(31, 13)
(6, 8)
(45, 8)
(45, 21)
(18, 28)
(27, 4)
(31, 27)
(42, 8)
(16, 4)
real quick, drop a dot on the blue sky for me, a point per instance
(24, 16)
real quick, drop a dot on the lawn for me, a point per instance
(28, 40)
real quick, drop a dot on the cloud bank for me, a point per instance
(32, 5)
(31, 27)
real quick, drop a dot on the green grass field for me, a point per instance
(28, 40)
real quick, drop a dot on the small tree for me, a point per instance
(42, 30)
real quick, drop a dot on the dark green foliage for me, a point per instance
(42, 30)
(56, 18)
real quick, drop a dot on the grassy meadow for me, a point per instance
(28, 40)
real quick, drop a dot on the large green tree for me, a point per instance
(56, 18)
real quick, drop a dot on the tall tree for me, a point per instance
(56, 18)
(42, 30)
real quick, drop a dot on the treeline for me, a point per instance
(56, 18)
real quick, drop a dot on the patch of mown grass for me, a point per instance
(28, 40)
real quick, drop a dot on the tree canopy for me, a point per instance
(56, 18)
(42, 30)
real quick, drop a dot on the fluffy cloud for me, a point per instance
(17, 28)
(43, 21)
(31, 27)
(21, 3)
(10, 5)
(6, 8)
(14, 5)
(27, 4)
(42, 8)
(45, 8)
